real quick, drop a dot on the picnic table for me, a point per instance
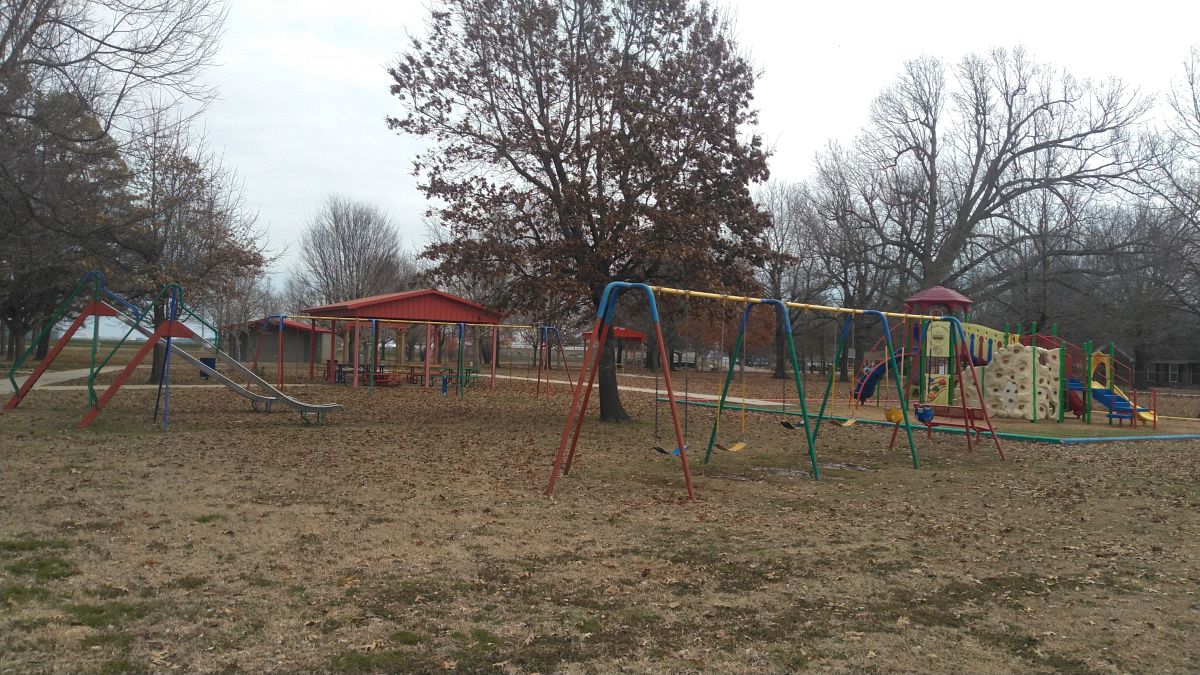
(341, 370)
(436, 373)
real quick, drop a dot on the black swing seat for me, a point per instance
(787, 424)
(669, 453)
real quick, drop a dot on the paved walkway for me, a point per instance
(53, 381)
(53, 377)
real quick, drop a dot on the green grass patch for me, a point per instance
(28, 625)
(189, 583)
(209, 518)
(27, 545)
(12, 594)
(113, 613)
(43, 568)
(388, 661)
(107, 641)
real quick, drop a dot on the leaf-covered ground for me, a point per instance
(412, 534)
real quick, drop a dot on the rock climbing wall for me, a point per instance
(1011, 378)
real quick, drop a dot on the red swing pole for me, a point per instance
(662, 354)
(979, 390)
(579, 401)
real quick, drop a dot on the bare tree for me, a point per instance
(83, 77)
(792, 271)
(121, 57)
(188, 222)
(352, 250)
(965, 149)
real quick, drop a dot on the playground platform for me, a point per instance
(1068, 432)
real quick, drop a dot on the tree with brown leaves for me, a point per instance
(576, 143)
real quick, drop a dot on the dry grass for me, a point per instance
(411, 534)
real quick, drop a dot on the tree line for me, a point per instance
(576, 143)
(1044, 198)
(102, 165)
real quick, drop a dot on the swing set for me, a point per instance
(604, 321)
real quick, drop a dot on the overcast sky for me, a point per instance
(303, 92)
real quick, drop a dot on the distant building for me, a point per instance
(247, 341)
(1172, 367)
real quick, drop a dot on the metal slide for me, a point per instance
(320, 409)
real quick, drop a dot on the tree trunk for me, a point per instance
(43, 347)
(611, 409)
(620, 352)
(651, 358)
(1139, 368)
(859, 340)
(485, 350)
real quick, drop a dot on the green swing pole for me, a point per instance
(712, 438)
(912, 445)
(837, 359)
(809, 437)
(1033, 364)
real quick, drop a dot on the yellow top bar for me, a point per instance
(351, 319)
(742, 299)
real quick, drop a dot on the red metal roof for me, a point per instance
(939, 295)
(621, 333)
(427, 304)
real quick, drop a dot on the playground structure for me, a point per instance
(1028, 376)
(104, 302)
(603, 323)
(362, 346)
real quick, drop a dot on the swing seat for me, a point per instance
(846, 423)
(736, 447)
(791, 425)
(669, 453)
